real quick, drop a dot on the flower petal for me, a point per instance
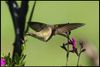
(3, 61)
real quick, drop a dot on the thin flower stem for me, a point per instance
(78, 60)
(79, 57)
(66, 60)
(67, 55)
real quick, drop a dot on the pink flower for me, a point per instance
(3, 61)
(73, 42)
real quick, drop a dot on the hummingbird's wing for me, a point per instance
(37, 26)
(62, 28)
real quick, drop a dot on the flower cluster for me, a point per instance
(3, 61)
(7, 61)
(72, 42)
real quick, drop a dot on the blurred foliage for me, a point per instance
(19, 61)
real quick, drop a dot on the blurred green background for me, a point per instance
(53, 12)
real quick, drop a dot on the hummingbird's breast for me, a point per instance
(45, 33)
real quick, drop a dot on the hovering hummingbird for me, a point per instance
(45, 32)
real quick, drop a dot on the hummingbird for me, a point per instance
(44, 32)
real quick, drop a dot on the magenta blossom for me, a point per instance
(73, 43)
(3, 61)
